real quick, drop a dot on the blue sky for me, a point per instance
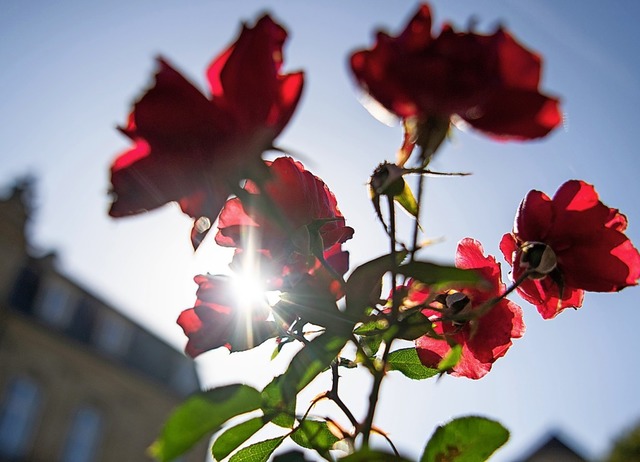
(71, 69)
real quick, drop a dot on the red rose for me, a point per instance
(299, 217)
(569, 244)
(218, 319)
(484, 339)
(490, 81)
(193, 149)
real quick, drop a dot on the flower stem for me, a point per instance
(380, 371)
(333, 396)
(416, 225)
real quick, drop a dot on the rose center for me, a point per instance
(538, 258)
(454, 303)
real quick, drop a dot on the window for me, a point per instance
(84, 436)
(24, 290)
(113, 334)
(56, 304)
(18, 417)
(83, 320)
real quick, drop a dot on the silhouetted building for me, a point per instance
(553, 448)
(79, 381)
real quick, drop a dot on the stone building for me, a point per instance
(553, 448)
(79, 381)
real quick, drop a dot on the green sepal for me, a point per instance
(407, 201)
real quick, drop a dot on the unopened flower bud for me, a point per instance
(387, 180)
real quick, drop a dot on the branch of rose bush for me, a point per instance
(334, 396)
(416, 225)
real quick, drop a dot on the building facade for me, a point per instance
(79, 381)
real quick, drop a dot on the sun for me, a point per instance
(249, 279)
(249, 290)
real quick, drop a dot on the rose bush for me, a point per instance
(288, 232)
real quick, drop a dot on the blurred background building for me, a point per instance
(79, 381)
(553, 448)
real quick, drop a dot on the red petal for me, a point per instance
(616, 220)
(290, 91)
(140, 183)
(515, 114)
(173, 114)
(251, 95)
(232, 223)
(606, 263)
(592, 252)
(470, 255)
(520, 68)
(534, 218)
(509, 246)
(206, 329)
(417, 33)
(431, 350)
(544, 294)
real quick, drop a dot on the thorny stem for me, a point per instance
(427, 172)
(333, 396)
(393, 446)
(380, 371)
(416, 226)
(392, 235)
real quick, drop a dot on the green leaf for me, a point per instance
(375, 327)
(258, 452)
(290, 456)
(407, 201)
(314, 434)
(200, 415)
(414, 326)
(275, 408)
(315, 357)
(407, 361)
(370, 455)
(466, 439)
(438, 275)
(451, 359)
(233, 437)
(313, 306)
(365, 283)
